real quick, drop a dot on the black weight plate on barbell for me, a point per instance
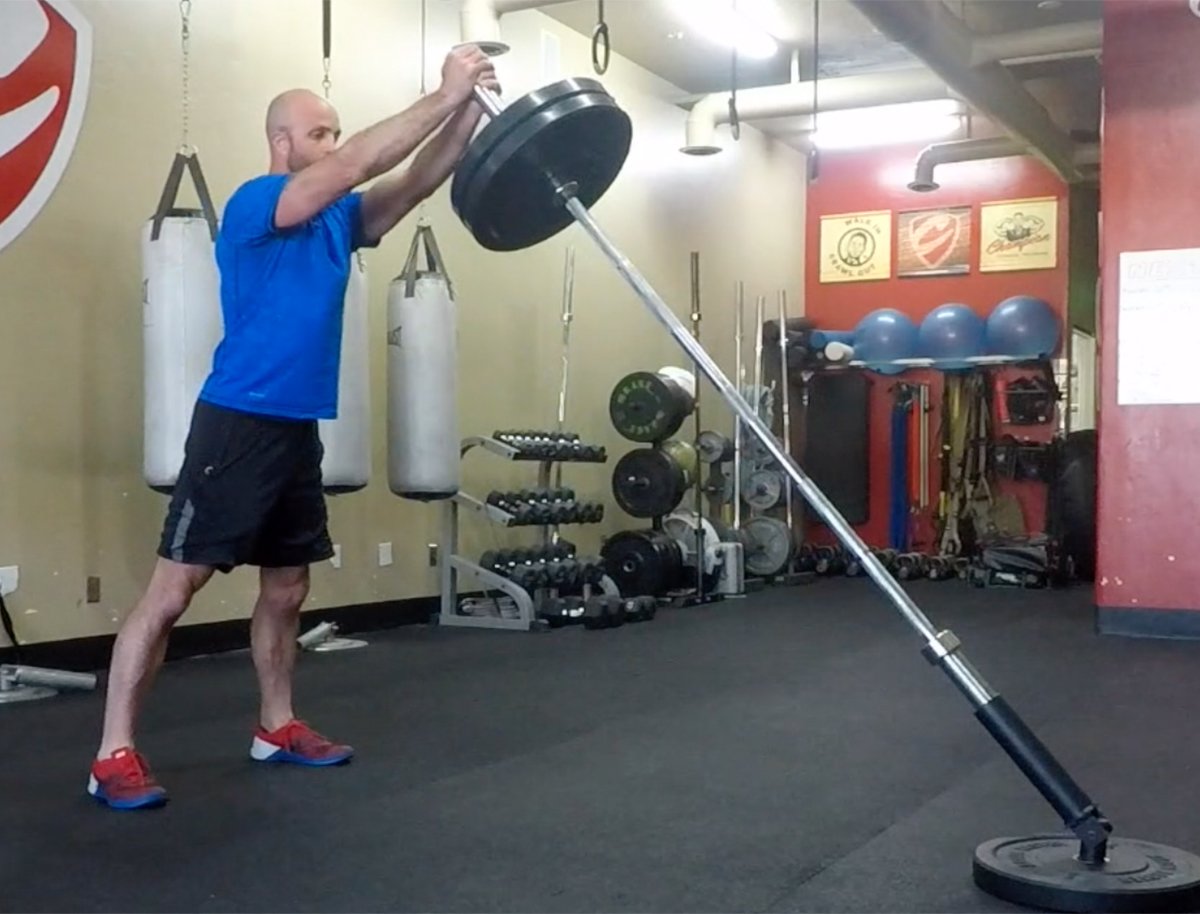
(504, 189)
(1044, 872)
(647, 407)
(647, 482)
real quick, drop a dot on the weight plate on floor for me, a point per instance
(1043, 872)
(648, 407)
(681, 527)
(713, 447)
(648, 482)
(642, 562)
(769, 546)
(763, 489)
(504, 187)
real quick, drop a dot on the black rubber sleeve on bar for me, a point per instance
(1033, 758)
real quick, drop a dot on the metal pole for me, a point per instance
(785, 403)
(941, 650)
(760, 305)
(568, 314)
(740, 371)
(700, 545)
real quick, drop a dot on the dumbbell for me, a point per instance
(941, 568)
(593, 569)
(887, 557)
(806, 558)
(493, 560)
(562, 573)
(562, 611)
(830, 560)
(563, 549)
(640, 609)
(603, 611)
(910, 566)
(556, 612)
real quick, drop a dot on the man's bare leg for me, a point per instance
(273, 632)
(141, 647)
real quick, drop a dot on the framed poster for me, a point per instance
(934, 242)
(1018, 235)
(856, 247)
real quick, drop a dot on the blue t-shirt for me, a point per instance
(282, 295)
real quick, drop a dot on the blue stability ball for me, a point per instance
(884, 335)
(819, 339)
(1023, 326)
(950, 333)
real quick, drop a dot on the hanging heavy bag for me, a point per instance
(181, 320)
(423, 440)
(346, 466)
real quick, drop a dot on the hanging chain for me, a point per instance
(326, 44)
(422, 217)
(185, 37)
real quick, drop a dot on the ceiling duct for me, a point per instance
(796, 98)
(939, 39)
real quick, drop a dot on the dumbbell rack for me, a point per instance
(452, 564)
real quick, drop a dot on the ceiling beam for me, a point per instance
(945, 45)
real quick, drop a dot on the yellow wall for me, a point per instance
(72, 501)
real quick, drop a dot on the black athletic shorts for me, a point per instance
(249, 493)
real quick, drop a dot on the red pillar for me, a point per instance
(1148, 563)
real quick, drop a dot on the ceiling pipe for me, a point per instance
(1050, 42)
(932, 33)
(999, 147)
(796, 98)
(961, 151)
(479, 21)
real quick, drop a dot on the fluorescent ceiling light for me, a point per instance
(748, 28)
(886, 125)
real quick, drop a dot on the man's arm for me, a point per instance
(390, 200)
(381, 148)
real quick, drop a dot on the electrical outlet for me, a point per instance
(10, 579)
(385, 554)
(433, 554)
(93, 589)
(336, 560)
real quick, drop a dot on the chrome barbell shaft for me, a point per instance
(489, 100)
(952, 661)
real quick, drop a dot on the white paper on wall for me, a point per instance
(1158, 326)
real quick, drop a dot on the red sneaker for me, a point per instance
(299, 744)
(123, 781)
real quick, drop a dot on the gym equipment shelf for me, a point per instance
(972, 361)
(451, 563)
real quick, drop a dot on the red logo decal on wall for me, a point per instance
(45, 69)
(933, 236)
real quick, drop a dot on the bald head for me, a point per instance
(301, 128)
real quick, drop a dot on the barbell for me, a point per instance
(542, 162)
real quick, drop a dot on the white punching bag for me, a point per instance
(423, 441)
(347, 439)
(181, 326)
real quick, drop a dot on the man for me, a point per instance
(249, 491)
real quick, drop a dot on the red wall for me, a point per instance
(1149, 491)
(877, 179)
